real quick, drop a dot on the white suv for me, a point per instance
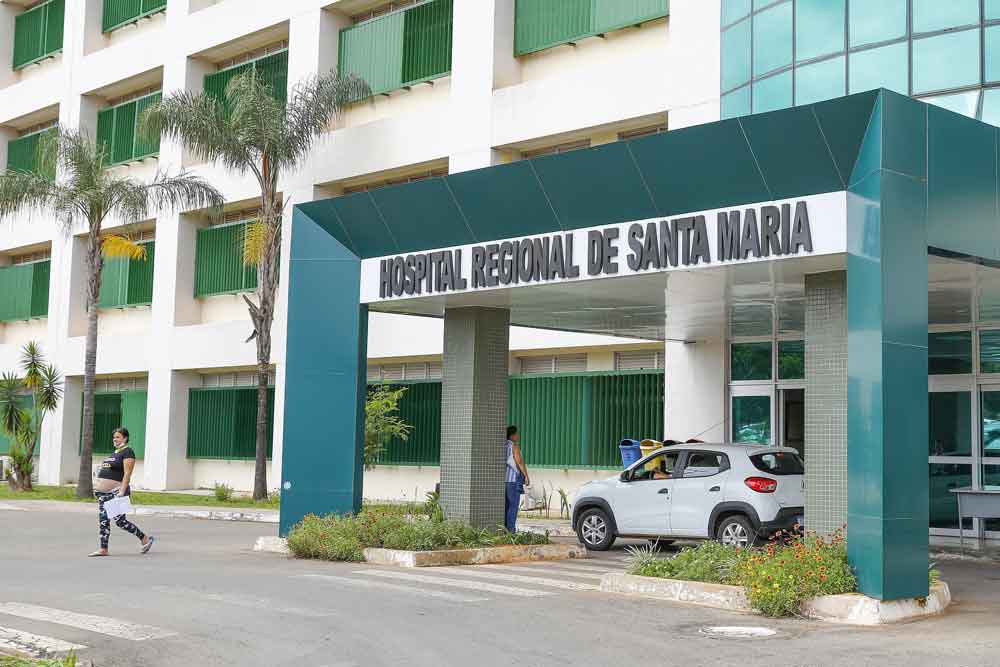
(739, 494)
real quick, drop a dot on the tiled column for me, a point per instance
(826, 401)
(474, 415)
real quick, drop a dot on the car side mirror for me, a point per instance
(624, 476)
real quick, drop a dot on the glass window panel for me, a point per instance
(791, 316)
(964, 103)
(991, 480)
(819, 28)
(931, 15)
(950, 423)
(750, 320)
(989, 294)
(991, 39)
(946, 61)
(989, 351)
(772, 93)
(877, 21)
(772, 39)
(736, 55)
(884, 67)
(752, 419)
(947, 304)
(734, 10)
(944, 505)
(750, 361)
(991, 113)
(820, 81)
(949, 353)
(991, 10)
(736, 103)
(990, 414)
(791, 360)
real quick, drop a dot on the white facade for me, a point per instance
(491, 109)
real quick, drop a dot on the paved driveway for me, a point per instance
(202, 598)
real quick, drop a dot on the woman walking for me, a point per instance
(113, 482)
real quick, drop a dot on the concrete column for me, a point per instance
(695, 390)
(59, 455)
(474, 415)
(166, 462)
(7, 74)
(826, 401)
(693, 51)
(484, 46)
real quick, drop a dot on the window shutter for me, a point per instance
(571, 363)
(634, 360)
(537, 365)
(134, 419)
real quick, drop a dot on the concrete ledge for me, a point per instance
(857, 609)
(272, 545)
(489, 555)
(731, 598)
(210, 515)
(848, 609)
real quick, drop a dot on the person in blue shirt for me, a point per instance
(517, 478)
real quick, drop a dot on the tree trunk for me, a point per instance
(85, 482)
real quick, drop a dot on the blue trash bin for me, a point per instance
(631, 452)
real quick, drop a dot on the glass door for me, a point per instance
(751, 415)
(989, 469)
(792, 417)
(951, 450)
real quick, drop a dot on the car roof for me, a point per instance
(728, 448)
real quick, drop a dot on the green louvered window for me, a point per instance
(22, 153)
(24, 291)
(399, 49)
(24, 403)
(222, 423)
(38, 33)
(273, 69)
(117, 131)
(574, 420)
(542, 24)
(118, 13)
(113, 410)
(219, 267)
(128, 282)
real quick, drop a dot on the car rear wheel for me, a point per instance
(737, 531)
(594, 530)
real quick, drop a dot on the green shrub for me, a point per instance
(345, 537)
(223, 492)
(710, 563)
(68, 661)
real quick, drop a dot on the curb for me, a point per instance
(486, 556)
(558, 530)
(272, 545)
(847, 609)
(209, 515)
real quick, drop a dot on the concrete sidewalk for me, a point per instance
(171, 511)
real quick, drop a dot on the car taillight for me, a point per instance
(761, 484)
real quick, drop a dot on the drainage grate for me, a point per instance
(738, 632)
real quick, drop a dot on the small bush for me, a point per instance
(223, 492)
(709, 562)
(345, 537)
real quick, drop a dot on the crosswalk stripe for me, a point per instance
(455, 583)
(384, 585)
(484, 571)
(99, 624)
(246, 601)
(611, 567)
(37, 646)
(566, 571)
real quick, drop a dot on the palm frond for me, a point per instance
(133, 201)
(32, 363)
(202, 124)
(117, 245)
(11, 415)
(256, 115)
(256, 241)
(23, 192)
(50, 391)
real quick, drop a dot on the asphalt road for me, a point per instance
(202, 598)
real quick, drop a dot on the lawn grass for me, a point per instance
(68, 493)
(10, 661)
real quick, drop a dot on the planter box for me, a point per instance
(486, 556)
(850, 609)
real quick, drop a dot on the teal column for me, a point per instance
(323, 444)
(887, 428)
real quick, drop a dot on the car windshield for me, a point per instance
(778, 463)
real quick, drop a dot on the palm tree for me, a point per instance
(43, 382)
(252, 131)
(84, 196)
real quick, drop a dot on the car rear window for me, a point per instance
(779, 463)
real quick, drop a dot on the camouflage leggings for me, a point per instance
(105, 523)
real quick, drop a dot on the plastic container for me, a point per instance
(647, 447)
(631, 452)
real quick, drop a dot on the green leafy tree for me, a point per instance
(43, 383)
(84, 196)
(382, 422)
(251, 131)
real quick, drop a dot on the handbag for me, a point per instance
(118, 506)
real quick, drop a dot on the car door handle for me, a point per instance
(715, 488)
(664, 491)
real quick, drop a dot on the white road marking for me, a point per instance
(566, 571)
(247, 601)
(99, 624)
(384, 585)
(566, 565)
(484, 572)
(455, 583)
(37, 646)
(11, 508)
